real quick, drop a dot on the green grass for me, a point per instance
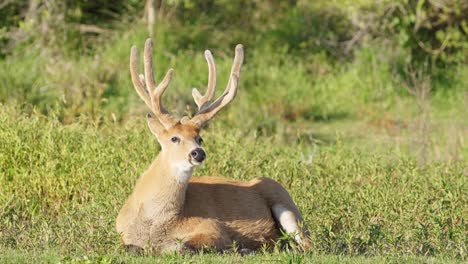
(345, 138)
(16, 256)
(62, 187)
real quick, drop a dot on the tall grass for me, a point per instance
(337, 133)
(62, 187)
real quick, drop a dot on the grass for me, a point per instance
(343, 138)
(62, 187)
(279, 257)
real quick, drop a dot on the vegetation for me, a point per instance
(356, 107)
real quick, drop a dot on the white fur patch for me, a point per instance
(288, 221)
(182, 171)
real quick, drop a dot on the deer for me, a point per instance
(171, 211)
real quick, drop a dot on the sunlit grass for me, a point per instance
(342, 137)
(62, 187)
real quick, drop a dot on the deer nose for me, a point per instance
(198, 154)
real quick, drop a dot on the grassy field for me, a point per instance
(277, 257)
(359, 184)
(375, 159)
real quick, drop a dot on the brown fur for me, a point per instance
(203, 212)
(169, 210)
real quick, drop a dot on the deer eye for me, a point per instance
(175, 139)
(199, 140)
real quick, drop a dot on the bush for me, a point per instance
(429, 31)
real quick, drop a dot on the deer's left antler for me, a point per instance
(206, 108)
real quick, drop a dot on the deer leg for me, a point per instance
(288, 221)
(284, 210)
(200, 241)
(207, 234)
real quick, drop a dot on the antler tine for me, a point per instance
(138, 80)
(145, 85)
(200, 100)
(148, 63)
(207, 113)
(156, 92)
(156, 98)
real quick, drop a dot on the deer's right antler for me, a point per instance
(145, 85)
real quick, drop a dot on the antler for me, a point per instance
(145, 85)
(200, 100)
(206, 109)
(151, 93)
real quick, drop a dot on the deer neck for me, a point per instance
(164, 185)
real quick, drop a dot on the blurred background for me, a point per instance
(356, 106)
(392, 65)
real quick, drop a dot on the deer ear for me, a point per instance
(154, 125)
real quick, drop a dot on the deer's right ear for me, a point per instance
(154, 125)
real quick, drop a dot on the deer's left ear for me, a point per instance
(154, 125)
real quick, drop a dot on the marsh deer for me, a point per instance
(171, 211)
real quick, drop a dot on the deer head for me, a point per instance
(179, 138)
